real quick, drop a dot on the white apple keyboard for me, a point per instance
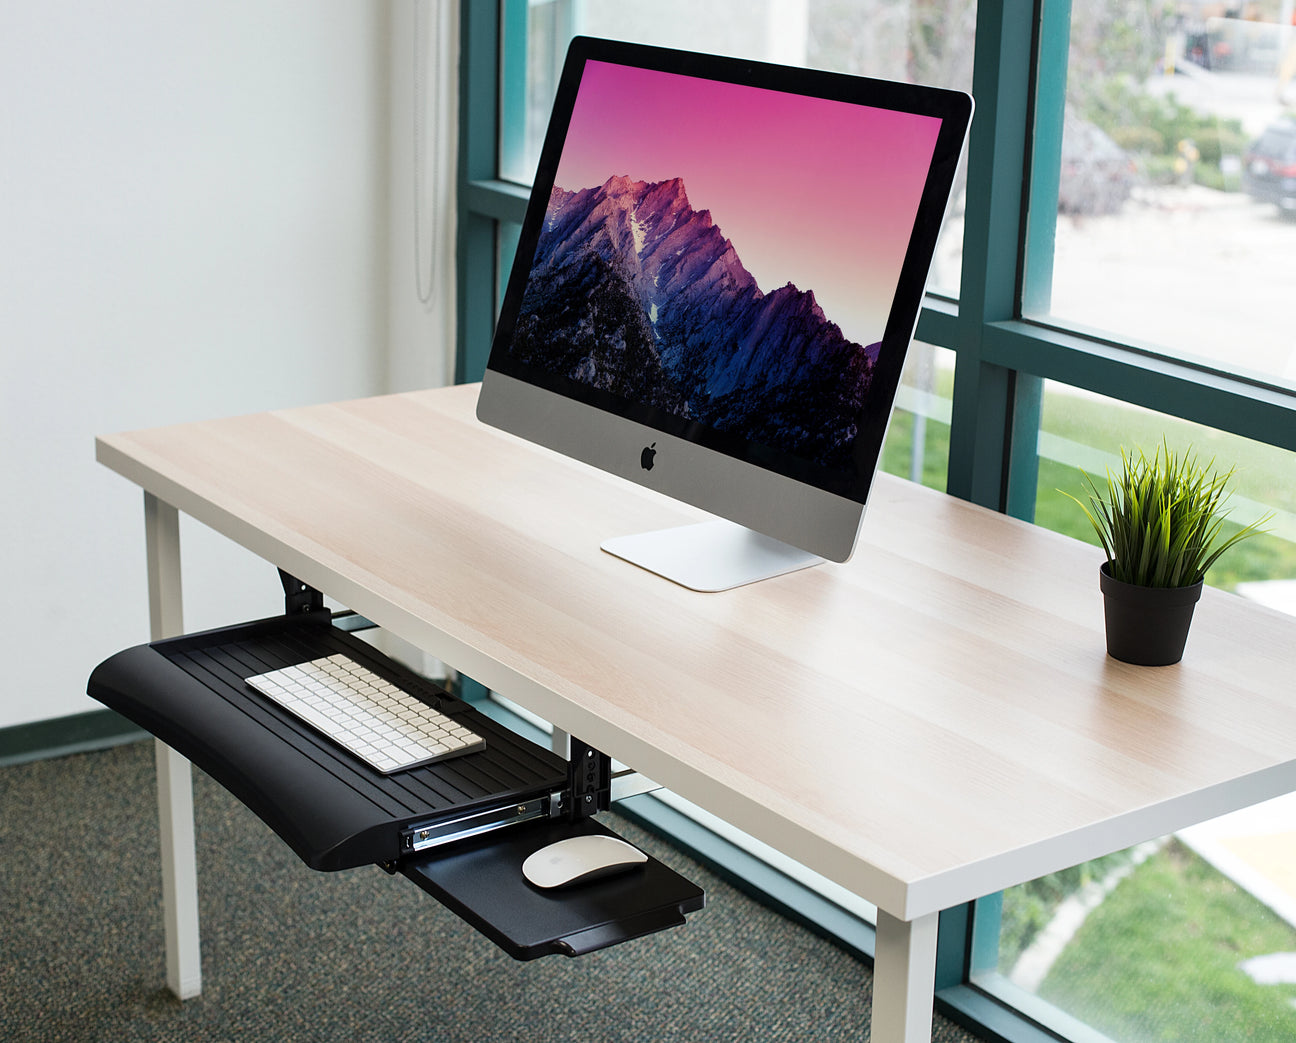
(385, 726)
(578, 860)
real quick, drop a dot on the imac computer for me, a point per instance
(717, 280)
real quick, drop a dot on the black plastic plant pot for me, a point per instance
(1147, 626)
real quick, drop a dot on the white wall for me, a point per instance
(196, 212)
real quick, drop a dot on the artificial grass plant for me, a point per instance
(1159, 518)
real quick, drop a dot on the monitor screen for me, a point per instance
(716, 283)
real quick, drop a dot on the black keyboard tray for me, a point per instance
(336, 813)
(328, 806)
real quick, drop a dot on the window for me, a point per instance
(914, 42)
(1176, 185)
(1115, 269)
(1176, 939)
(917, 442)
(1182, 918)
(1082, 433)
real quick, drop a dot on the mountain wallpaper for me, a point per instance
(633, 291)
(725, 253)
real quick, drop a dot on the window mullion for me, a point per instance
(995, 415)
(985, 423)
(478, 161)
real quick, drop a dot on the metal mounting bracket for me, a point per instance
(299, 597)
(589, 775)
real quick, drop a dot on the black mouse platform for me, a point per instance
(482, 881)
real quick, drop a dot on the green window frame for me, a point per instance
(1001, 359)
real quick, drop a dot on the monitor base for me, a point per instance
(710, 556)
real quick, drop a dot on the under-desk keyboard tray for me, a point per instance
(459, 828)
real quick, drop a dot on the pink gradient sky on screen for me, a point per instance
(818, 193)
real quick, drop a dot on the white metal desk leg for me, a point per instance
(904, 979)
(174, 776)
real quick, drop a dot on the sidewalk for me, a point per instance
(1256, 849)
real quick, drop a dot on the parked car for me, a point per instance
(1269, 165)
(1097, 174)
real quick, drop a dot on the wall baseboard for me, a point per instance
(61, 736)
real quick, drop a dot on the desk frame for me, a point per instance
(1152, 751)
(174, 776)
(905, 953)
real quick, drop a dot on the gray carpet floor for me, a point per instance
(290, 954)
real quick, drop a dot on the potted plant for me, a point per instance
(1159, 520)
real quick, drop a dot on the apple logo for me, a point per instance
(646, 457)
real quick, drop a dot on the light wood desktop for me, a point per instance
(932, 722)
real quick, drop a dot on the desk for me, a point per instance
(932, 722)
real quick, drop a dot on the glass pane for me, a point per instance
(1177, 183)
(1190, 936)
(1081, 432)
(917, 441)
(925, 41)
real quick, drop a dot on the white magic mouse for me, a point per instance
(577, 860)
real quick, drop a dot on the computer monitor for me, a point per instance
(717, 280)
